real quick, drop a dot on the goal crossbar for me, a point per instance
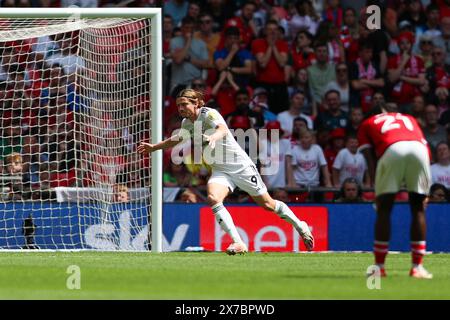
(80, 12)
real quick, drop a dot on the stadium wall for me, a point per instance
(337, 227)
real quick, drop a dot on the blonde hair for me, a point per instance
(193, 96)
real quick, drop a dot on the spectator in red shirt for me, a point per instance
(224, 91)
(271, 57)
(337, 143)
(406, 73)
(301, 52)
(352, 50)
(444, 6)
(242, 103)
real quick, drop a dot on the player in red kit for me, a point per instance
(403, 159)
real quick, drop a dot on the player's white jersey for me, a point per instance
(227, 156)
(350, 165)
(440, 174)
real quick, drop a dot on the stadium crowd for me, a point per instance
(311, 69)
(314, 65)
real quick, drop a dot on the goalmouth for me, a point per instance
(104, 65)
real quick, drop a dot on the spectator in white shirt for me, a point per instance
(286, 118)
(303, 18)
(342, 85)
(350, 164)
(440, 171)
(272, 154)
(306, 163)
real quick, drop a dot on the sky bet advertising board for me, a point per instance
(336, 227)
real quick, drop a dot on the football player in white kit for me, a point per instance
(231, 167)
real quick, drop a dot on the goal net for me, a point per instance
(78, 93)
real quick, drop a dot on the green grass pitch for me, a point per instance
(120, 275)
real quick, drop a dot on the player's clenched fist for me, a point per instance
(146, 147)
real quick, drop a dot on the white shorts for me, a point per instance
(248, 180)
(404, 163)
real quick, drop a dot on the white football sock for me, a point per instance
(223, 217)
(286, 214)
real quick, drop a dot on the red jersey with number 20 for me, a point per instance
(382, 130)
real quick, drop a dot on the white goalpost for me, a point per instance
(80, 88)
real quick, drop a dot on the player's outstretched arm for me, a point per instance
(171, 142)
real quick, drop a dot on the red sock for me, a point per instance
(418, 251)
(380, 250)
